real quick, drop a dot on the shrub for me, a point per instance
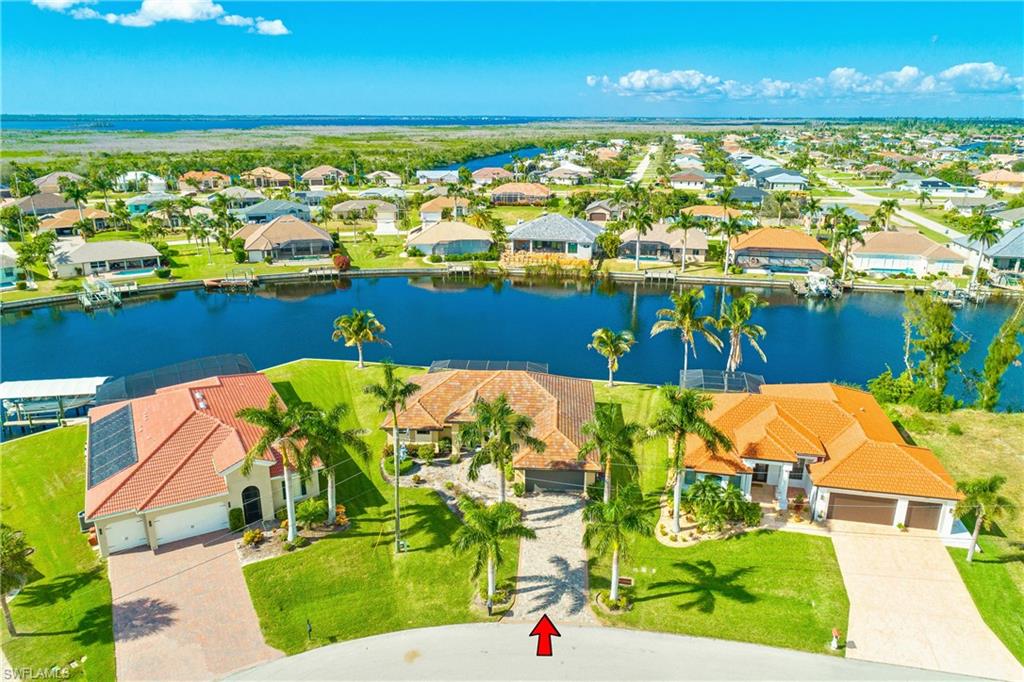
(888, 388)
(662, 530)
(619, 604)
(238, 250)
(434, 258)
(417, 479)
(414, 252)
(673, 537)
(236, 519)
(519, 488)
(955, 430)
(301, 541)
(389, 450)
(752, 515)
(449, 485)
(379, 251)
(281, 514)
(253, 537)
(340, 514)
(455, 457)
(445, 445)
(404, 466)
(928, 399)
(21, 285)
(310, 512)
(426, 453)
(342, 262)
(163, 273)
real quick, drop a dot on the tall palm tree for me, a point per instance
(888, 208)
(76, 192)
(735, 319)
(612, 439)
(729, 229)
(832, 218)
(169, 208)
(685, 413)
(923, 197)
(984, 232)
(102, 183)
(282, 436)
(684, 222)
(333, 445)
(848, 232)
(684, 317)
(726, 200)
(17, 568)
(612, 345)
(482, 530)
(500, 431)
(610, 523)
(982, 499)
(640, 219)
(392, 393)
(782, 199)
(357, 328)
(186, 204)
(812, 207)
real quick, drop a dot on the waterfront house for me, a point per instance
(448, 238)
(177, 220)
(1002, 179)
(361, 208)
(241, 197)
(324, 176)
(75, 257)
(434, 177)
(50, 183)
(833, 446)
(44, 204)
(139, 181)
(1005, 256)
(265, 176)
(268, 209)
(385, 178)
(712, 212)
(520, 194)
(603, 211)
(9, 270)
(440, 208)
(286, 237)
(144, 203)
(662, 243)
(204, 181)
(907, 252)
(558, 406)
(167, 466)
(905, 179)
(1010, 218)
(688, 180)
(488, 176)
(568, 174)
(64, 223)
(553, 233)
(967, 206)
(775, 249)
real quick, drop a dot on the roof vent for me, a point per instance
(200, 400)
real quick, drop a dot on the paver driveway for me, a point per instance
(908, 606)
(183, 612)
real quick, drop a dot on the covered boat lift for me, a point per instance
(45, 402)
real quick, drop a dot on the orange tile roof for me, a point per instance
(183, 449)
(532, 189)
(441, 203)
(558, 406)
(201, 176)
(266, 172)
(68, 217)
(777, 238)
(712, 211)
(857, 447)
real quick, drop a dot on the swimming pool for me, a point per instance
(140, 272)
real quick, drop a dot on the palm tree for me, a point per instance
(812, 207)
(888, 208)
(186, 204)
(685, 414)
(726, 199)
(848, 232)
(782, 199)
(684, 222)
(281, 436)
(610, 524)
(17, 568)
(482, 531)
(102, 183)
(832, 217)
(684, 317)
(76, 192)
(982, 499)
(392, 394)
(169, 209)
(736, 320)
(640, 219)
(357, 328)
(984, 232)
(612, 439)
(333, 445)
(729, 229)
(613, 345)
(924, 196)
(500, 431)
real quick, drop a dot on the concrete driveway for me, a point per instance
(183, 612)
(908, 606)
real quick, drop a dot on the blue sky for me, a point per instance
(569, 59)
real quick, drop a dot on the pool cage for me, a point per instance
(148, 382)
(489, 365)
(717, 381)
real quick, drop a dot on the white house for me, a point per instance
(136, 181)
(906, 252)
(553, 233)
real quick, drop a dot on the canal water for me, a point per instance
(429, 319)
(497, 160)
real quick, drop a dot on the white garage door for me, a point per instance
(125, 534)
(191, 522)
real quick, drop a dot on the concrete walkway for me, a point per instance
(507, 652)
(909, 606)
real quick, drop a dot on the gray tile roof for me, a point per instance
(90, 252)
(557, 228)
(1010, 246)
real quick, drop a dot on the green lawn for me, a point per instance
(352, 584)
(65, 612)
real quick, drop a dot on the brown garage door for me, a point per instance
(923, 515)
(860, 508)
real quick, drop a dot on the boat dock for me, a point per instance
(236, 279)
(101, 293)
(28, 405)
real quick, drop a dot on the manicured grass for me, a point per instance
(114, 235)
(640, 402)
(65, 612)
(889, 193)
(352, 584)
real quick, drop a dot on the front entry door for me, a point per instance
(251, 505)
(760, 473)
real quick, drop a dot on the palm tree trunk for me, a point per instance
(637, 254)
(490, 577)
(398, 512)
(682, 262)
(7, 616)
(290, 504)
(977, 266)
(81, 214)
(607, 480)
(359, 349)
(686, 359)
(677, 494)
(615, 575)
(501, 482)
(974, 538)
(332, 498)
(611, 374)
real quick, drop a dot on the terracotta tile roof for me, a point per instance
(712, 211)
(491, 173)
(777, 238)
(1002, 176)
(68, 217)
(182, 448)
(558, 406)
(530, 189)
(857, 447)
(441, 203)
(323, 171)
(202, 176)
(266, 172)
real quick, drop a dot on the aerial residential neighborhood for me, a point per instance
(690, 352)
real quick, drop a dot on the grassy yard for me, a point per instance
(353, 585)
(65, 612)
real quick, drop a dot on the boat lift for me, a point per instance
(46, 402)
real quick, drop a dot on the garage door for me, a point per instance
(861, 508)
(191, 522)
(554, 481)
(923, 515)
(125, 534)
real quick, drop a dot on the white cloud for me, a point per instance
(840, 82)
(152, 12)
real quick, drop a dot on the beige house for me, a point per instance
(448, 238)
(1002, 179)
(907, 252)
(265, 176)
(284, 237)
(204, 181)
(662, 243)
(324, 176)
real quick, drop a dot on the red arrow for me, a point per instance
(544, 630)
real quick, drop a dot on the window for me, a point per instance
(572, 247)
(690, 477)
(302, 487)
(284, 491)
(797, 474)
(735, 481)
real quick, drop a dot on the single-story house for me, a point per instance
(665, 244)
(167, 466)
(603, 211)
(781, 179)
(386, 193)
(178, 219)
(1010, 218)
(74, 257)
(359, 208)
(558, 406)
(311, 197)
(204, 181)
(448, 238)
(265, 176)
(553, 233)
(487, 176)
(241, 197)
(832, 445)
(286, 237)
(43, 204)
(324, 176)
(63, 223)
(433, 211)
(136, 181)
(50, 183)
(688, 179)
(520, 194)
(967, 206)
(1006, 255)
(444, 177)
(9, 270)
(712, 212)
(908, 252)
(747, 195)
(905, 178)
(385, 178)
(776, 249)
(568, 174)
(144, 203)
(1008, 181)
(875, 170)
(268, 209)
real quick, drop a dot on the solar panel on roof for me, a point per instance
(148, 382)
(111, 445)
(489, 365)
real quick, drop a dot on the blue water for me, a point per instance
(808, 340)
(497, 160)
